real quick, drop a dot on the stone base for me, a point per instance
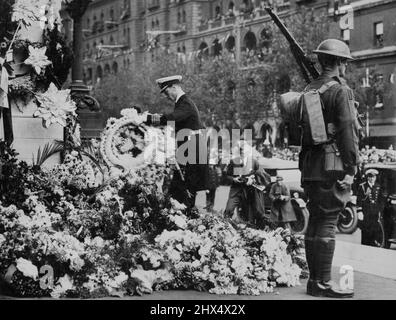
(30, 135)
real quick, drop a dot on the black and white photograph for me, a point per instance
(195, 156)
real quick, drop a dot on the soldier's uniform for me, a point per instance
(320, 186)
(339, 113)
(369, 197)
(194, 176)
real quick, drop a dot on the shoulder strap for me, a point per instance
(327, 86)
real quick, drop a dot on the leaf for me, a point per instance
(48, 150)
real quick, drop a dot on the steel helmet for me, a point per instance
(334, 47)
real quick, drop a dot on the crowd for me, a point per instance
(374, 155)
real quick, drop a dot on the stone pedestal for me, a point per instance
(29, 134)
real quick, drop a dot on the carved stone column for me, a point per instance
(79, 90)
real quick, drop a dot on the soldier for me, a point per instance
(369, 197)
(327, 192)
(190, 177)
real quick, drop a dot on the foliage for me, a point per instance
(217, 84)
(123, 237)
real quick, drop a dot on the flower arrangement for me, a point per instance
(55, 106)
(38, 64)
(68, 236)
(129, 144)
(37, 59)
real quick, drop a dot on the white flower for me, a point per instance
(179, 221)
(27, 268)
(76, 263)
(177, 205)
(37, 58)
(117, 282)
(55, 106)
(98, 242)
(25, 221)
(63, 284)
(2, 239)
(28, 11)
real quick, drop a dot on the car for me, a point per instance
(291, 177)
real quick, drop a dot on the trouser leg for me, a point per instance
(325, 245)
(309, 242)
(233, 201)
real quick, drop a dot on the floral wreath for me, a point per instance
(128, 143)
(42, 68)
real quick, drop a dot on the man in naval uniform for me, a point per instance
(369, 197)
(191, 176)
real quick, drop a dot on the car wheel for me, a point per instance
(302, 214)
(348, 220)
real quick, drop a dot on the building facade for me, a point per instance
(130, 33)
(371, 35)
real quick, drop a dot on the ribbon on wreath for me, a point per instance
(4, 84)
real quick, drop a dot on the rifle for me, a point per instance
(306, 65)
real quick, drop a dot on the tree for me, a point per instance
(217, 84)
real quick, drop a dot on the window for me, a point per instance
(112, 14)
(88, 23)
(184, 16)
(178, 17)
(379, 34)
(152, 25)
(346, 35)
(157, 24)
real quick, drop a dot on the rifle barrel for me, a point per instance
(306, 65)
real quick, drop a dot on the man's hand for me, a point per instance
(346, 182)
(237, 180)
(250, 180)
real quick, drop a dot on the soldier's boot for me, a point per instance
(309, 255)
(324, 287)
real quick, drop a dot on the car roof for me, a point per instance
(277, 164)
(381, 165)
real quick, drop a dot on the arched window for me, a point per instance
(115, 67)
(107, 70)
(203, 50)
(217, 47)
(230, 12)
(230, 43)
(250, 41)
(112, 14)
(217, 13)
(184, 49)
(99, 72)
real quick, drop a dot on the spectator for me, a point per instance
(281, 210)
